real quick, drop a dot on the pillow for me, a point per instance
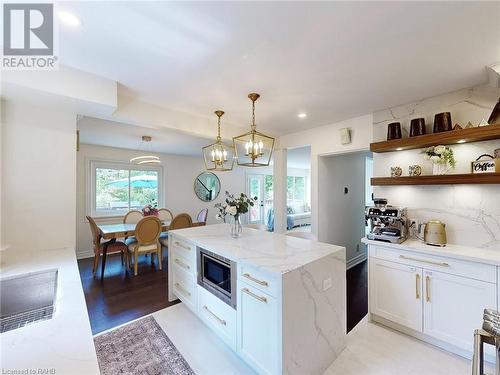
(289, 210)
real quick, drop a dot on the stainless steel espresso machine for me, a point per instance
(386, 223)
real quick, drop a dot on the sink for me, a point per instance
(27, 298)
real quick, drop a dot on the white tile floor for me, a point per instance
(371, 350)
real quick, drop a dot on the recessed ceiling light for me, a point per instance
(461, 141)
(69, 18)
(302, 115)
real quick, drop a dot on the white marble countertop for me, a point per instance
(473, 254)
(63, 344)
(274, 252)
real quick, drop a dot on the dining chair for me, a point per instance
(146, 240)
(132, 217)
(164, 214)
(178, 222)
(201, 218)
(115, 247)
(305, 235)
(256, 226)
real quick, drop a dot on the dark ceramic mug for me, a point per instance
(417, 127)
(393, 131)
(442, 122)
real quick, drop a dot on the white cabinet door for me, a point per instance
(396, 292)
(258, 329)
(453, 307)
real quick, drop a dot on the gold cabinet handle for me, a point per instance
(442, 264)
(183, 290)
(428, 288)
(221, 321)
(260, 298)
(417, 285)
(181, 245)
(182, 264)
(260, 282)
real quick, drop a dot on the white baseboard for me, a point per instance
(356, 260)
(83, 254)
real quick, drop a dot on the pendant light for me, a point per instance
(147, 158)
(218, 156)
(253, 149)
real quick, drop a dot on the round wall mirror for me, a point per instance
(207, 186)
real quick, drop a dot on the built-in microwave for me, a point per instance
(217, 275)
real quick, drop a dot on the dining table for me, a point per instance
(111, 232)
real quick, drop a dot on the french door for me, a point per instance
(255, 188)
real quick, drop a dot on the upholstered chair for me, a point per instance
(201, 218)
(146, 240)
(178, 222)
(115, 247)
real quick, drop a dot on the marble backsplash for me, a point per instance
(471, 212)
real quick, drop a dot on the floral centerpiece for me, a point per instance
(150, 209)
(234, 206)
(442, 158)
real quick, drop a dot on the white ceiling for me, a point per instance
(332, 60)
(299, 157)
(115, 134)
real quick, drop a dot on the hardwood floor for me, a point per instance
(122, 298)
(357, 294)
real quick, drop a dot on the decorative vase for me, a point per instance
(440, 168)
(236, 227)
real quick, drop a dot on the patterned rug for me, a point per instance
(140, 347)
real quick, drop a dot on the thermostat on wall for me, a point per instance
(345, 136)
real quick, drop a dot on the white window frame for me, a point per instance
(93, 164)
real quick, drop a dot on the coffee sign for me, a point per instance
(490, 165)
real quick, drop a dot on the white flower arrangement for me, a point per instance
(440, 155)
(234, 206)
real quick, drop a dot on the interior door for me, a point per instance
(396, 292)
(255, 188)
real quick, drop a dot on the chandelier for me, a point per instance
(253, 149)
(148, 158)
(218, 156)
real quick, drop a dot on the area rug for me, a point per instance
(140, 347)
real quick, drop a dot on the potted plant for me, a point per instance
(150, 209)
(442, 158)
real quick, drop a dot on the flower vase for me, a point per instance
(236, 227)
(440, 168)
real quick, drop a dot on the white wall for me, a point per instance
(179, 173)
(471, 212)
(38, 177)
(324, 140)
(341, 218)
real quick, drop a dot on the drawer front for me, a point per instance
(217, 315)
(473, 270)
(184, 286)
(179, 259)
(183, 248)
(259, 279)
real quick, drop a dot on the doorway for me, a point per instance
(298, 189)
(260, 186)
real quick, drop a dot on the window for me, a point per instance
(116, 188)
(296, 190)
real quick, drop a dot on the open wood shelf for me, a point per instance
(484, 133)
(447, 179)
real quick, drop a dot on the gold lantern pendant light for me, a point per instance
(253, 149)
(218, 156)
(147, 158)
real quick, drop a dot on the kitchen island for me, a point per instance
(281, 304)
